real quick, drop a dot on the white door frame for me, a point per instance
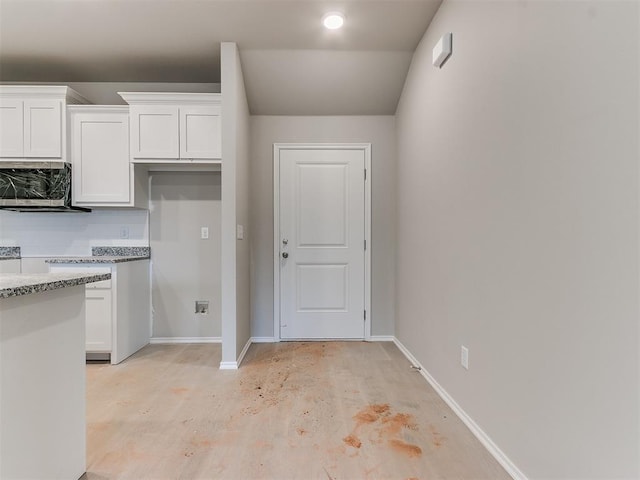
(277, 148)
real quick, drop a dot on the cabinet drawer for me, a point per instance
(101, 285)
(104, 284)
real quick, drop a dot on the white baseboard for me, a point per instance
(169, 340)
(262, 340)
(228, 365)
(381, 338)
(244, 351)
(486, 441)
(236, 364)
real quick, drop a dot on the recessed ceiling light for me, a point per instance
(333, 20)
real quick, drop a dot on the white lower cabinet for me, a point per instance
(98, 320)
(118, 311)
(10, 266)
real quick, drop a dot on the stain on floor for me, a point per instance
(294, 410)
(380, 425)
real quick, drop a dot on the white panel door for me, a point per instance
(200, 132)
(322, 232)
(43, 128)
(11, 128)
(154, 131)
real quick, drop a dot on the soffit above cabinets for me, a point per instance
(360, 67)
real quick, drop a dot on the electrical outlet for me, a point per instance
(124, 232)
(204, 233)
(464, 357)
(202, 307)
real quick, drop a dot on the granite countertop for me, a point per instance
(107, 255)
(98, 259)
(98, 255)
(9, 253)
(14, 285)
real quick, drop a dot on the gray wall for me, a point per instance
(185, 268)
(243, 267)
(379, 131)
(518, 228)
(236, 294)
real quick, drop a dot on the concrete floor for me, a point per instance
(329, 410)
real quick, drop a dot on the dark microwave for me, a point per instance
(36, 186)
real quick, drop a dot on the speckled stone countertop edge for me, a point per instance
(107, 255)
(9, 253)
(25, 284)
(96, 259)
(121, 251)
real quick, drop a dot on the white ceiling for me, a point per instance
(292, 65)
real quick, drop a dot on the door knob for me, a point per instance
(285, 255)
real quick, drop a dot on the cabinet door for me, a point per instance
(100, 158)
(200, 132)
(154, 132)
(43, 128)
(11, 128)
(98, 318)
(10, 266)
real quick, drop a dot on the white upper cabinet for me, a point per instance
(200, 132)
(33, 121)
(166, 127)
(11, 127)
(102, 175)
(43, 128)
(154, 131)
(99, 144)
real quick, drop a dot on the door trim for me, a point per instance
(277, 148)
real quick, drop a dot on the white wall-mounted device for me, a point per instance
(442, 50)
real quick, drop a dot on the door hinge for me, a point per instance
(365, 244)
(365, 315)
(365, 173)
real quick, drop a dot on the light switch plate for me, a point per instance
(240, 232)
(204, 232)
(464, 357)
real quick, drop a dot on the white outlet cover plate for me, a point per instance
(442, 50)
(204, 232)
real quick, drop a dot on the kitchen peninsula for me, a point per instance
(42, 375)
